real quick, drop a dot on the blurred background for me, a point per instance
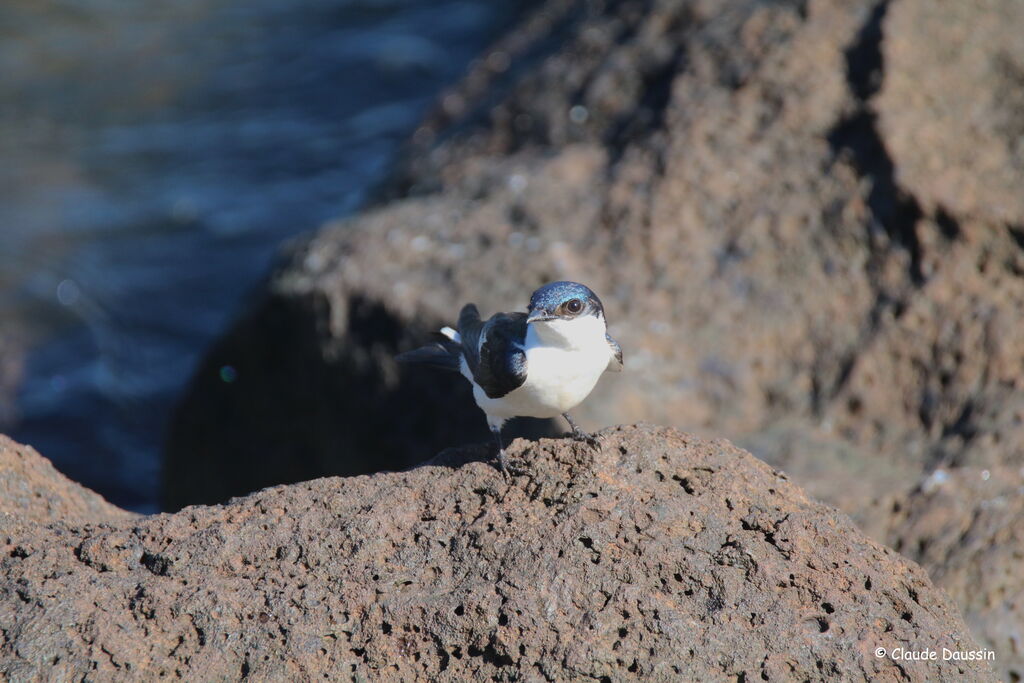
(155, 157)
(805, 221)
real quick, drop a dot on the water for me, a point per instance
(154, 159)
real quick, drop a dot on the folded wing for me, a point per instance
(494, 349)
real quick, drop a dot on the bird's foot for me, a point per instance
(508, 468)
(578, 434)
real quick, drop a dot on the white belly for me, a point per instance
(557, 380)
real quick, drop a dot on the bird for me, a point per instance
(541, 363)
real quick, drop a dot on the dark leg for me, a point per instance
(507, 468)
(502, 459)
(577, 433)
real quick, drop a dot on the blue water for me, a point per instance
(155, 158)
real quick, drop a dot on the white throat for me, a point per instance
(571, 335)
(564, 360)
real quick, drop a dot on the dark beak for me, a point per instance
(539, 315)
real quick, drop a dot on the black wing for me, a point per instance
(493, 349)
(470, 326)
(443, 353)
(617, 351)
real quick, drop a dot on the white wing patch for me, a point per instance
(451, 334)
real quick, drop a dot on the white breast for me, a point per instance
(564, 360)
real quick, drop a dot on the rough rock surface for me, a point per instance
(657, 556)
(720, 173)
(966, 527)
(32, 490)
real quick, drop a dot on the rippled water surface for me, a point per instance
(155, 155)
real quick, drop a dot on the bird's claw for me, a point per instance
(578, 434)
(509, 469)
(586, 437)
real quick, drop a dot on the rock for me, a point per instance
(950, 106)
(734, 180)
(31, 490)
(964, 527)
(834, 470)
(944, 381)
(656, 556)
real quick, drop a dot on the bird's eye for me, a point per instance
(574, 306)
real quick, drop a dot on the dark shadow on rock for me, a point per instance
(896, 211)
(306, 401)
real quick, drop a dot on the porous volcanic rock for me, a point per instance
(32, 490)
(656, 556)
(966, 527)
(729, 177)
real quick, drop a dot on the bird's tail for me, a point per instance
(444, 353)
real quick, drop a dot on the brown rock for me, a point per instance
(835, 471)
(965, 527)
(656, 556)
(31, 490)
(950, 108)
(944, 381)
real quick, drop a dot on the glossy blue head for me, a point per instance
(564, 301)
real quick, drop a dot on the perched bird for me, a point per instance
(541, 363)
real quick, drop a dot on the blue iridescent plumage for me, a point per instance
(551, 296)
